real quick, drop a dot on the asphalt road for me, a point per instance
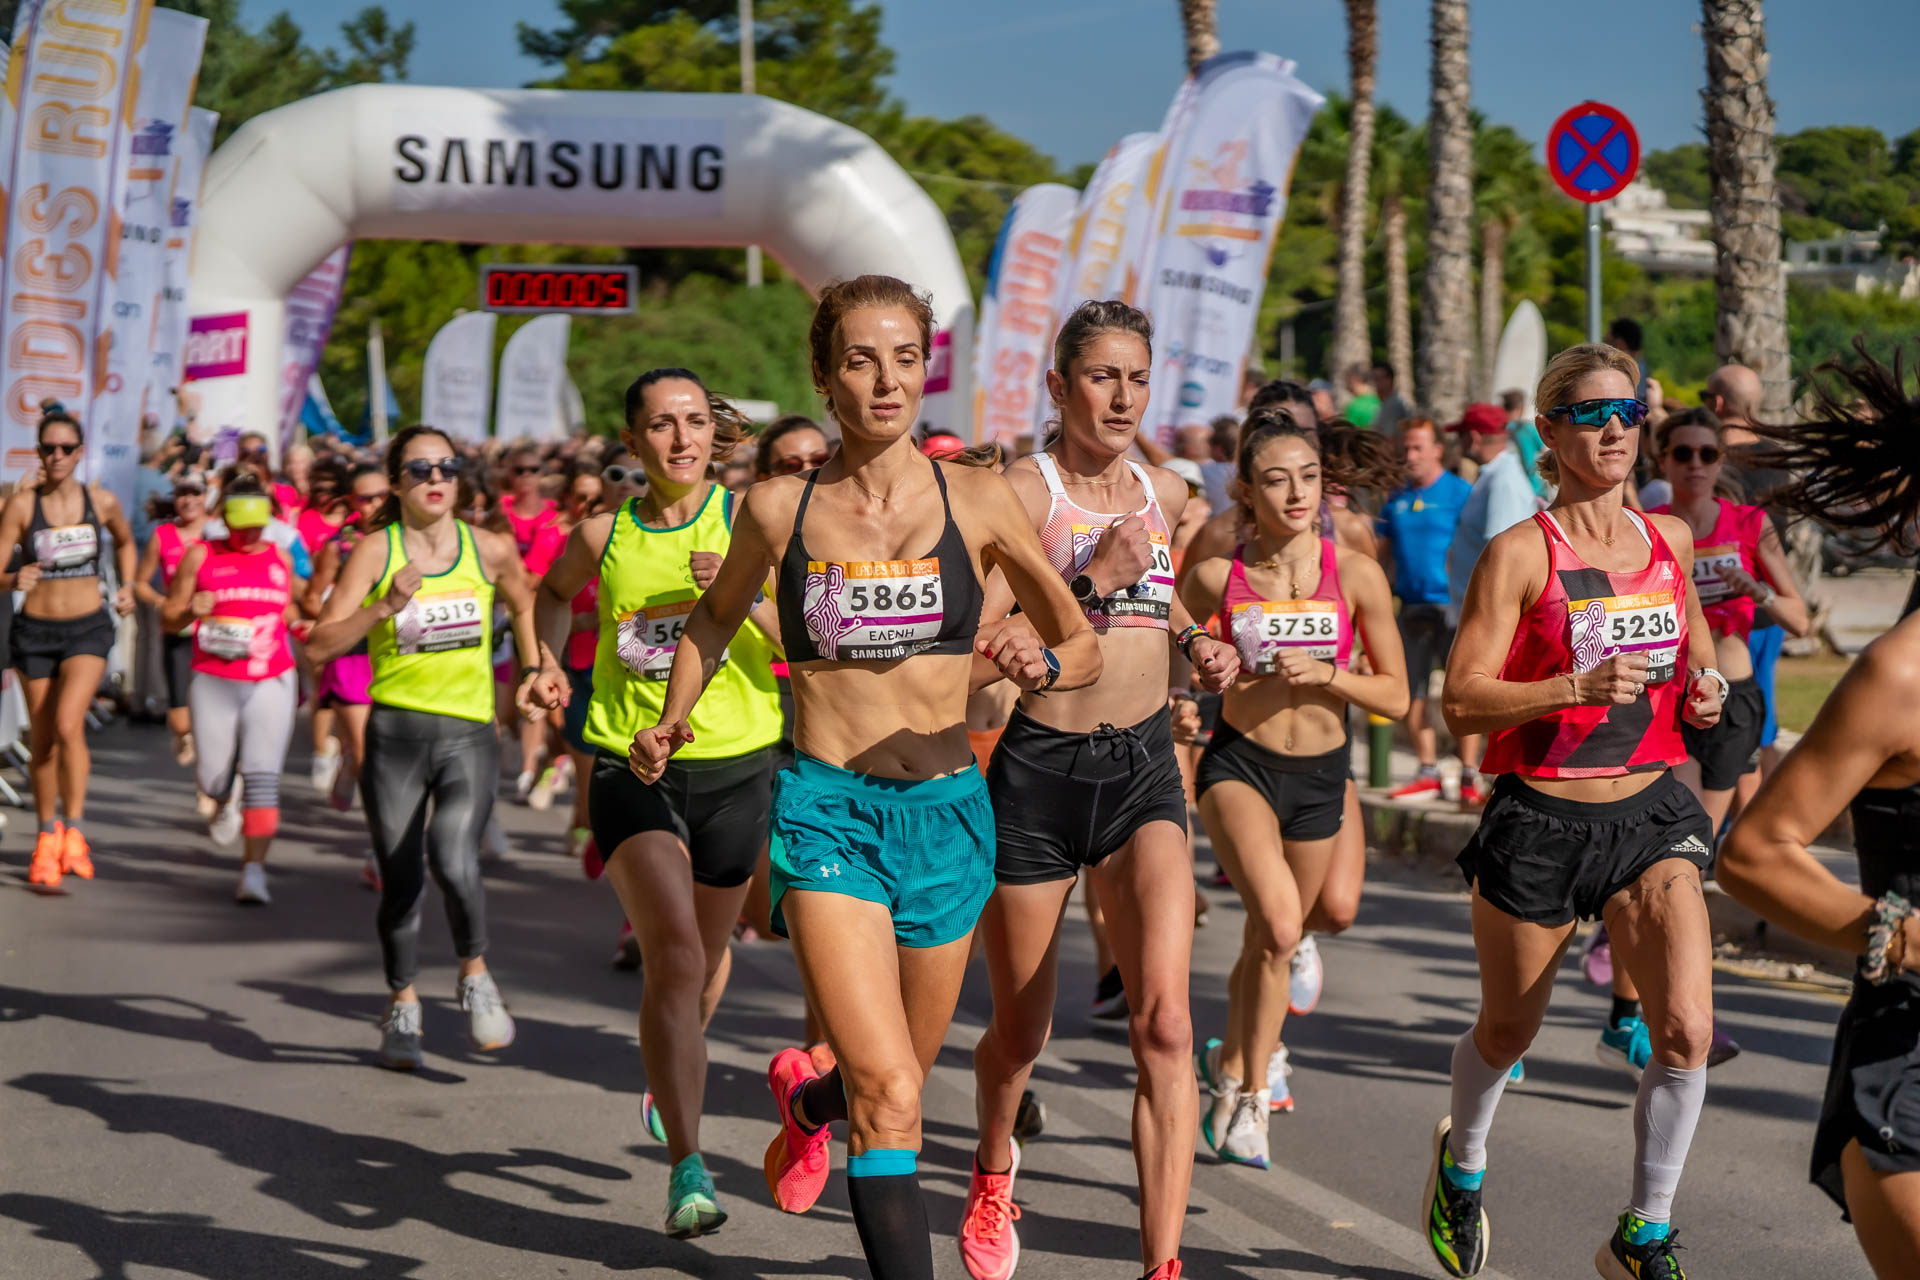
(187, 1088)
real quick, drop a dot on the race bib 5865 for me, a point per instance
(873, 610)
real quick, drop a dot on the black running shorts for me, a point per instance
(40, 645)
(1308, 794)
(1732, 747)
(717, 808)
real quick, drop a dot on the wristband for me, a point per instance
(1184, 641)
(1890, 911)
(1767, 597)
(527, 671)
(1719, 679)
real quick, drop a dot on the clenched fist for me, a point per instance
(706, 567)
(1619, 680)
(652, 748)
(1122, 556)
(401, 589)
(1216, 664)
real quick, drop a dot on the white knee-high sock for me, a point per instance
(1664, 1116)
(1476, 1092)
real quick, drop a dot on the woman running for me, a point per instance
(1072, 790)
(341, 695)
(422, 597)
(883, 836)
(1864, 745)
(680, 851)
(583, 501)
(52, 531)
(237, 596)
(1580, 650)
(1273, 780)
(172, 539)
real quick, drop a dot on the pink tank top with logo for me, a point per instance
(1261, 629)
(1072, 533)
(173, 549)
(1732, 543)
(245, 637)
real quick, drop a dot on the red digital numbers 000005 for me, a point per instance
(560, 290)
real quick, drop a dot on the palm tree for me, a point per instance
(1395, 168)
(1750, 292)
(1446, 299)
(1352, 344)
(1503, 190)
(1202, 25)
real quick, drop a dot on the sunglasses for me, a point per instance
(1597, 413)
(368, 499)
(421, 470)
(64, 450)
(1685, 453)
(528, 471)
(617, 474)
(795, 463)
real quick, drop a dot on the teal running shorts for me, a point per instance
(923, 850)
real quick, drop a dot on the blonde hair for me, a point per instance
(1562, 373)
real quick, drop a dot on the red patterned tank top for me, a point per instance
(1733, 542)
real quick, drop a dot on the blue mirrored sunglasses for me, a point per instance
(1596, 413)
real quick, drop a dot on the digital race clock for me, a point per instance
(518, 287)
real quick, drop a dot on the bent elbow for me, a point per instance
(1401, 702)
(1735, 861)
(1080, 662)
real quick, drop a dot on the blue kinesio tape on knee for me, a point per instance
(882, 1163)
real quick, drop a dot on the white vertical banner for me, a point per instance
(1219, 207)
(1138, 245)
(456, 384)
(1015, 337)
(169, 66)
(70, 78)
(533, 371)
(1103, 223)
(310, 308)
(165, 371)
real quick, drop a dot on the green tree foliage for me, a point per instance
(1831, 178)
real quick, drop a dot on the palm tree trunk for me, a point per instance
(1446, 300)
(1750, 291)
(1352, 343)
(1493, 300)
(1202, 26)
(1393, 229)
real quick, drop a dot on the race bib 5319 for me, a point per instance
(437, 623)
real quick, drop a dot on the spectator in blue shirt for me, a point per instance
(1415, 530)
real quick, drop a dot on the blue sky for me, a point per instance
(1071, 76)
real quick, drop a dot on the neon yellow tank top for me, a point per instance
(646, 595)
(436, 655)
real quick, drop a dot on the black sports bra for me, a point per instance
(1884, 822)
(878, 610)
(65, 551)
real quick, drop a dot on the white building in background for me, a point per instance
(1645, 230)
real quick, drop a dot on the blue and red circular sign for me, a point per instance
(1593, 152)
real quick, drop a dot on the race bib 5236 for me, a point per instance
(1603, 627)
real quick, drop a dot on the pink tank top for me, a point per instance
(173, 549)
(527, 528)
(245, 637)
(1071, 534)
(1263, 629)
(1733, 542)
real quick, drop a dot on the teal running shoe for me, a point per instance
(650, 1115)
(692, 1209)
(1517, 1072)
(1627, 1046)
(1639, 1250)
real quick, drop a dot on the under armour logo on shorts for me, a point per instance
(831, 869)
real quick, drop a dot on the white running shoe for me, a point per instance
(326, 767)
(1305, 977)
(225, 827)
(489, 1025)
(493, 841)
(1246, 1140)
(523, 788)
(400, 1036)
(540, 798)
(1279, 1091)
(1219, 1114)
(253, 885)
(183, 749)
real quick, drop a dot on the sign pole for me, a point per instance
(1593, 273)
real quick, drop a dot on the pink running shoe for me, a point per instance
(1597, 960)
(989, 1246)
(1168, 1270)
(796, 1163)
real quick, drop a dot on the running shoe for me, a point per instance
(1472, 798)
(489, 1025)
(493, 840)
(1168, 1270)
(1628, 1045)
(1517, 1072)
(626, 952)
(1424, 784)
(45, 871)
(523, 787)
(1223, 1090)
(650, 1116)
(1305, 977)
(591, 864)
(400, 1036)
(1280, 1091)
(989, 1246)
(1246, 1140)
(1596, 961)
(370, 873)
(1199, 909)
(253, 885)
(183, 749)
(325, 769)
(1109, 997)
(1030, 1120)
(206, 806)
(225, 827)
(1724, 1047)
(346, 785)
(796, 1163)
(540, 795)
(692, 1207)
(1455, 1224)
(1220, 879)
(76, 858)
(562, 775)
(1633, 1252)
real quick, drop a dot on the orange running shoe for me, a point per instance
(989, 1246)
(75, 854)
(796, 1163)
(45, 871)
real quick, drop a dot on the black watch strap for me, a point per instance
(1084, 591)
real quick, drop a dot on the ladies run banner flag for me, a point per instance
(71, 88)
(1010, 354)
(166, 370)
(1217, 208)
(310, 308)
(1097, 243)
(457, 384)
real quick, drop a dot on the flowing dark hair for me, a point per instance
(389, 512)
(1856, 459)
(730, 426)
(1349, 459)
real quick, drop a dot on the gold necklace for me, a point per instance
(882, 500)
(1274, 563)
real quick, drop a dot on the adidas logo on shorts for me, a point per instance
(1692, 844)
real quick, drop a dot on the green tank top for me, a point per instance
(646, 595)
(436, 655)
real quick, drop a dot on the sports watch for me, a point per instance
(1053, 671)
(1084, 591)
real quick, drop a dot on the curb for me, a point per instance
(1733, 922)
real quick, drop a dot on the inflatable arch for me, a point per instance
(405, 162)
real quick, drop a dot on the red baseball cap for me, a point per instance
(1482, 419)
(943, 444)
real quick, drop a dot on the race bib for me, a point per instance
(1648, 624)
(65, 547)
(1151, 597)
(647, 639)
(228, 639)
(1264, 629)
(1708, 565)
(873, 610)
(437, 623)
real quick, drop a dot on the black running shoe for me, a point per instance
(1031, 1118)
(1619, 1259)
(1110, 997)
(1454, 1223)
